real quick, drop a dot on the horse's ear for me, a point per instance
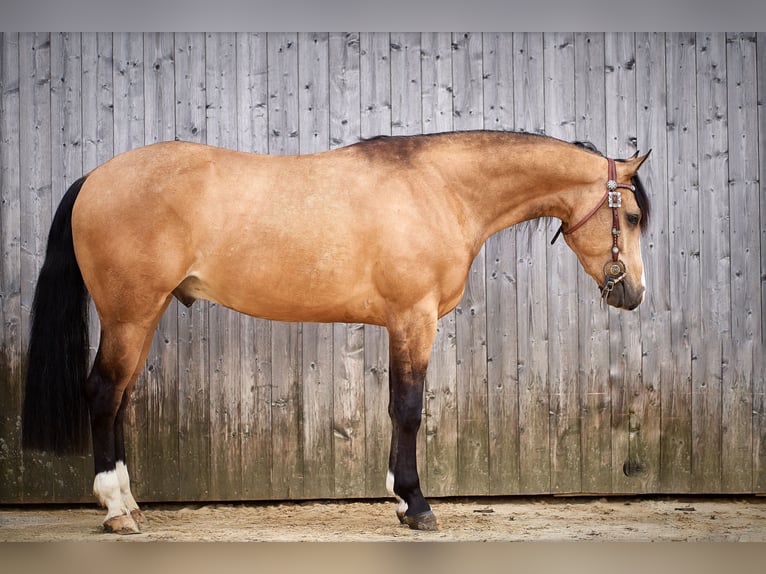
(636, 162)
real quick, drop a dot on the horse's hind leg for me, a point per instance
(119, 361)
(128, 501)
(123, 478)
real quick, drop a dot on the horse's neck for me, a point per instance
(521, 181)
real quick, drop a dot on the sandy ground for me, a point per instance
(468, 520)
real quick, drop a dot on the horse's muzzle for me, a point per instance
(624, 296)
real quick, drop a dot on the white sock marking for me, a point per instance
(106, 487)
(390, 483)
(402, 508)
(124, 479)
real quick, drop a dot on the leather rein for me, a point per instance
(614, 270)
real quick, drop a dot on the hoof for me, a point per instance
(138, 517)
(423, 521)
(122, 524)
(401, 512)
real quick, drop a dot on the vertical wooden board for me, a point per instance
(625, 342)
(66, 113)
(317, 405)
(558, 53)
(407, 119)
(348, 410)
(531, 271)
(98, 100)
(437, 82)
(759, 382)
(656, 367)
(683, 216)
(72, 473)
(97, 130)
(593, 331)
(287, 434)
(223, 339)
(375, 119)
(11, 349)
(193, 354)
(746, 283)
(128, 64)
(255, 334)
(348, 340)
(35, 212)
(406, 79)
(161, 425)
(500, 253)
(441, 419)
(714, 262)
(128, 72)
(471, 317)
(701, 364)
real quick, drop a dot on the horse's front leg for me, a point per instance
(410, 347)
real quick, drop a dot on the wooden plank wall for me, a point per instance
(533, 387)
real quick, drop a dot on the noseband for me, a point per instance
(614, 270)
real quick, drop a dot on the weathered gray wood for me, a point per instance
(318, 461)
(287, 432)
(129, 111)
(676, 440)
(759, 382)
(655, 311)
(193, 355)
(72, 473)
(533, 386)
(441, 421)
(714, 260)
(375, 119)
(35, 213)
(500, 253)
(348, 340)
(255, 341)
(11, 349)
(593, 330)
(161, 373)
(406, 113)
(532, 284)
(625, 329)
(558, 54)
(746, 278)
(97, 136)
(470, 314)
(223, 337)
(407, 119)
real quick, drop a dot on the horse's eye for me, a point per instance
(634, 219)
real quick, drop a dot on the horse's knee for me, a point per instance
(407, 413)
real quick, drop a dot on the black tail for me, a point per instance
(55, 415)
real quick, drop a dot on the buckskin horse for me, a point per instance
(383, 232)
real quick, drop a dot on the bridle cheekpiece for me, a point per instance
(614, 270)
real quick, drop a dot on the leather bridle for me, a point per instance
(614, 270)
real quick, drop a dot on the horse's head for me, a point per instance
(606, 236)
